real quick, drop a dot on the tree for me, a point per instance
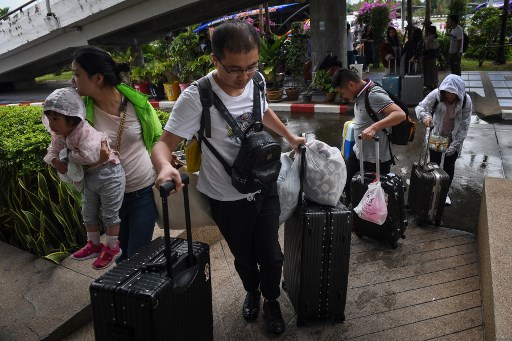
(378, 15)
(500, 56)
(4, 11)
(459, 8)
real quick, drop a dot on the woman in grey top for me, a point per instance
(448, 109)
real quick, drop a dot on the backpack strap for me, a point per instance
(206, 98)
(374, 117)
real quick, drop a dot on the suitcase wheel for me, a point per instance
(283, 285)
(437, 222)
(359, 235)
(394, 245)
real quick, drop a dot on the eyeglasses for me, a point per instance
(237, 71)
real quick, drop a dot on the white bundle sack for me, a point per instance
(326, 173)
(288, 185)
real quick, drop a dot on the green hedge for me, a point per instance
(38, 213)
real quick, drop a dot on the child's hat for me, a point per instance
(65, 101)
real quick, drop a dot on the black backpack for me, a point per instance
(403, 132)
(465, 42)
(258, 161)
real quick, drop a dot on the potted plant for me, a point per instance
(323, 81)
(271, 60)
(295, 51)
(307, 95)
(183, 49)
(139, 78)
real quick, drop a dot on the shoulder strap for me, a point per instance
(369, 109)
(206, 98)
(374, 117)
(211, 97)
(464, 101)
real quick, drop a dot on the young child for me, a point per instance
(103, 181)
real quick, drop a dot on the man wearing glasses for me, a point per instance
(248, 222)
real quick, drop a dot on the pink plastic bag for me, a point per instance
(373, 206)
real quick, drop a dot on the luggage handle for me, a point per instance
(302, 150)
(377, 157)
(422, 162)
(182, 281)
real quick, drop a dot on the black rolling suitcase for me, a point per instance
(394, 227)
(147, 298)
(428, 189)
(316, 259)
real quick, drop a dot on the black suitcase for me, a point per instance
(394, 227)
(147, 298)
(428, 189)
(316, 259)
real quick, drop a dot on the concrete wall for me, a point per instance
(328, 29)
(495, 258)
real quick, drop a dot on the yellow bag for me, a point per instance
(193, 155)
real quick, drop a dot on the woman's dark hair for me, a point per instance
(455, 18)
(432, 30)
(392, 40)
(95, 60)
(342, 76)
(236, 37)
(442, 96)
(416, 35)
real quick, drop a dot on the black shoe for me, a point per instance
(273, 316)
(251, 306)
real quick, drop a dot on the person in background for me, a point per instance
(351, 87)
(456, 43)
(75, 142)
(430, 59)
(248, 222)
(134, 132)
(390, 50)
(448, 111)
(412, 54)
(367, 41)
(350, 46)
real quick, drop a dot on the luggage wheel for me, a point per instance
(359, 235)
(437, 223)
(394, 245)
(283, 285)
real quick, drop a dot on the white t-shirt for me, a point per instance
(185, 122)
(350, 41)
(455, 35)
(133, 153)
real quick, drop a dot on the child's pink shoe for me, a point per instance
(107, 256)
(88, 251)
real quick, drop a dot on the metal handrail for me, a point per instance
(17, 9)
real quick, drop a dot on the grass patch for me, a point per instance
(488, 65)
(66, 75)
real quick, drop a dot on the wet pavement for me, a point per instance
(481, 157)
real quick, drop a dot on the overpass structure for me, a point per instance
(40, 37)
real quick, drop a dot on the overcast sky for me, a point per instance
(12, 4)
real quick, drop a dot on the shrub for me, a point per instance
(485, 28)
